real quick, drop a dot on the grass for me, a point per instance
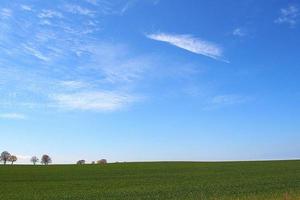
(162, 180)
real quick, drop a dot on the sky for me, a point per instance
(150, 80)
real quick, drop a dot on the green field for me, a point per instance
(164, 180)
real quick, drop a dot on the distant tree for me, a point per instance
(46, 159)
(4, 157)
(12, 159)
(34, 160)
(93, 162)
(102, 162)
(80, 162)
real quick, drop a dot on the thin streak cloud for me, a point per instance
(93, 101)
(12, 116)
(190, 43)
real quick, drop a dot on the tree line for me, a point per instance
(101, 162)
(7, 157)
(45, 159)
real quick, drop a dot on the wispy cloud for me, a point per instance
(73, 84)
(76, 9)
(94, 101)
(50, 14)
(289, 15)
(96, 79)
(117, 7)
(36, 53)
(5, 12)
(125, 7)
(228, 99)
(12, 116)
(190, 43)
(108, 7)
(225, 100)
(26, 7)
(115, 63)
(72, 70)
(238, 32)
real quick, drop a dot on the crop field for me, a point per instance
(158, 180)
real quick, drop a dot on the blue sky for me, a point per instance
(146, 80)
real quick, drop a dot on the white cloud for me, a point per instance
(128, 70)
(238, 32)
(93, 101)
(76, 9)
(114, 62)
(117, 7)
(50, 14)
(228, 99)
(26, 8)
(102, 76)
(5, 12)
(36, 53)
(225, 100)
(13, 116)
(73, 84)
(45, 22)
(101, 66)
(190, 43)
(289, 15)
(126, 7)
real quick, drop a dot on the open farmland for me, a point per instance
(161, 180)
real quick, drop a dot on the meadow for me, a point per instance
(265, 180)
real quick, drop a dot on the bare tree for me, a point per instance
(12, 159)
(46, 159)
(93, 162)
(34, 160)
(80, 162)
(4, 157)
(102, 162)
